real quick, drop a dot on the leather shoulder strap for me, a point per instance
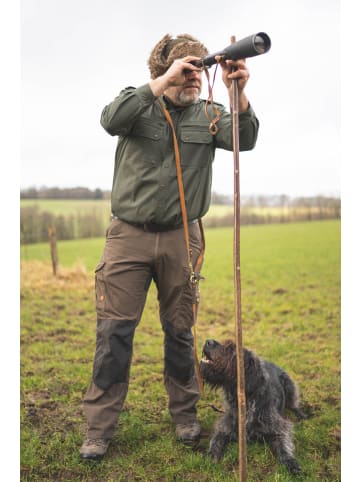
(194, 273)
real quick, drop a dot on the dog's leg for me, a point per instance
(283, 448)
(226, 430)
(281, 444)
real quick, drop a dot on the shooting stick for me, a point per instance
(237, 287)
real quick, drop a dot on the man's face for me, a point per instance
(187, 93)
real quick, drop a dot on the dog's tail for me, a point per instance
(292, 395)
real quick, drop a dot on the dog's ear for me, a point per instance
(230, 348)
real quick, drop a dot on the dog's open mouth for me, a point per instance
(206, 359)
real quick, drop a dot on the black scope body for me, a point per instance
(250, 46)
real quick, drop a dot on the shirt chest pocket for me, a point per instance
(146, 141)
(196, 147)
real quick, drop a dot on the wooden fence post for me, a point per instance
(53, 248)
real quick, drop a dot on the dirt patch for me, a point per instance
(280, 291)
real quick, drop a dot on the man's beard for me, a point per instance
(187, 99)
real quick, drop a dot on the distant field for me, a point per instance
(68, 206)
(74, 206)
(291, 315)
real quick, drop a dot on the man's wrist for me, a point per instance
(243, 103)
(158, 86)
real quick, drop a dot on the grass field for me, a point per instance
(291, 315)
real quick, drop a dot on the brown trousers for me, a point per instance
(132, 258)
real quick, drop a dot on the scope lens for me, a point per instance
(261, 43)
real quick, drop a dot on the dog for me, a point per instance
(269, 390)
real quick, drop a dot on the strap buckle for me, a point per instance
(195, 277)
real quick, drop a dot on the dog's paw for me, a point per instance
(300, 414)
(216, 452)
(293, 467)
(214, 455)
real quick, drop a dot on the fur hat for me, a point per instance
(168, 49)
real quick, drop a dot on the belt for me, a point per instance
(154, 227)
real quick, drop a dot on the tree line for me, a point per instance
(63, 193)
(34, 225)
(283, 200)
(34, 222)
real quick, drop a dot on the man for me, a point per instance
(145, 240)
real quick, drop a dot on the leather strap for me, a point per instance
(213, 128)
(194, 271)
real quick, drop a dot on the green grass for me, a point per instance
(291, 315)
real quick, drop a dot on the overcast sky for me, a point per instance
(76, 56)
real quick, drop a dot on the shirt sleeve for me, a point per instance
(118, 117)
(248, 130)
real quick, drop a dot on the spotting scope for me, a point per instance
(250, 46)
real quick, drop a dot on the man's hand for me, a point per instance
(235, 69)
(175, 75)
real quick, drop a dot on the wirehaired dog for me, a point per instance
(269, 391)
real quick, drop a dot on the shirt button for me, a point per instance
(166, 165)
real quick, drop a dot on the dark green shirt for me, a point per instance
(145, 185)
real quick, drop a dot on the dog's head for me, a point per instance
(219, 369)
(218, 365)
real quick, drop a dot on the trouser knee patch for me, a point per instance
(114, 342)
(179, 356)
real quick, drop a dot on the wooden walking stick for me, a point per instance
(237, 286)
